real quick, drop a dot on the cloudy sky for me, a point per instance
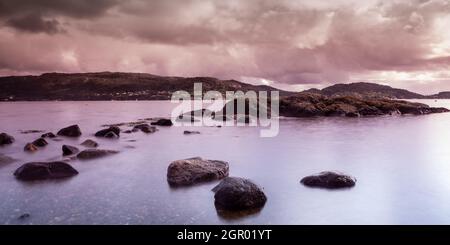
(286, 43)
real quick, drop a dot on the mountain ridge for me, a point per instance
(144, 86)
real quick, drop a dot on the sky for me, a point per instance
(289, 44)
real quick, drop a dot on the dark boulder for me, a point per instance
(191, 132)
(146, 128)
(41, 142)
(71, 131)
(163, 122)
(329, 180)
(107, 132)
(48, 135)
(69, 150)
(195, 170)
(6, 139)
(237, 194)
(89, 143)
(44, 170)
(30, 147)
(94, 153)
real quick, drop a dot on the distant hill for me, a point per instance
(111, 86)
(367, 89)
(142, 86)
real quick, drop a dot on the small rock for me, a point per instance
(41, 142)
(6, 139)
(145, 128)
(48, 135)
(44, 170)
(30, 147)
(107, 131)
(90, 143)
(94, 153)
(195, 170)
(111, 135)
(24, 216)
(32, 131)
(128, 131)
(329, 180)
(69, 150)
(163, 122)
(71, 131)
(191, 132)
(234, 193)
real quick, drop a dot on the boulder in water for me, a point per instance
(41, 142)
(44, 170)
(6, 139)
(107, 132)
(69, 150)
(94, 154)
(237, 194)
(71, 131)
(329, 180)
(89, 143)
(163, 122)
(195, 170)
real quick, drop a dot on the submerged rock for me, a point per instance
(329, 180)
(41, 142)
(44, 170)
(6, 159)
(107, 132)
(6, 139)
(31, 131)
(48, 135)
(30, 147)
(111, 135)
(89, 143)
(94, 153)
(69, 150)
(163, 122)
(24, 216)
(195, 170)
(71, 131)
(234, 193)
(191, 132)
(146, 128)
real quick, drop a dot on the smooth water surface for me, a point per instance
(402, 165)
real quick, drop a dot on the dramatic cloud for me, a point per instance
(286, 43)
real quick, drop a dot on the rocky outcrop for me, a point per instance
(69, 150)
(29, 147)
(94, 154)
(329, 180)
(44, 170)
(310, 105)
(71, 131)
(195, 170)
(237, 194)
(41, 142)
(111, 132)
(146, 128)
(6, 139)
(163, 122)
(89, 143)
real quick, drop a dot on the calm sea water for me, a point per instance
(402, 165)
